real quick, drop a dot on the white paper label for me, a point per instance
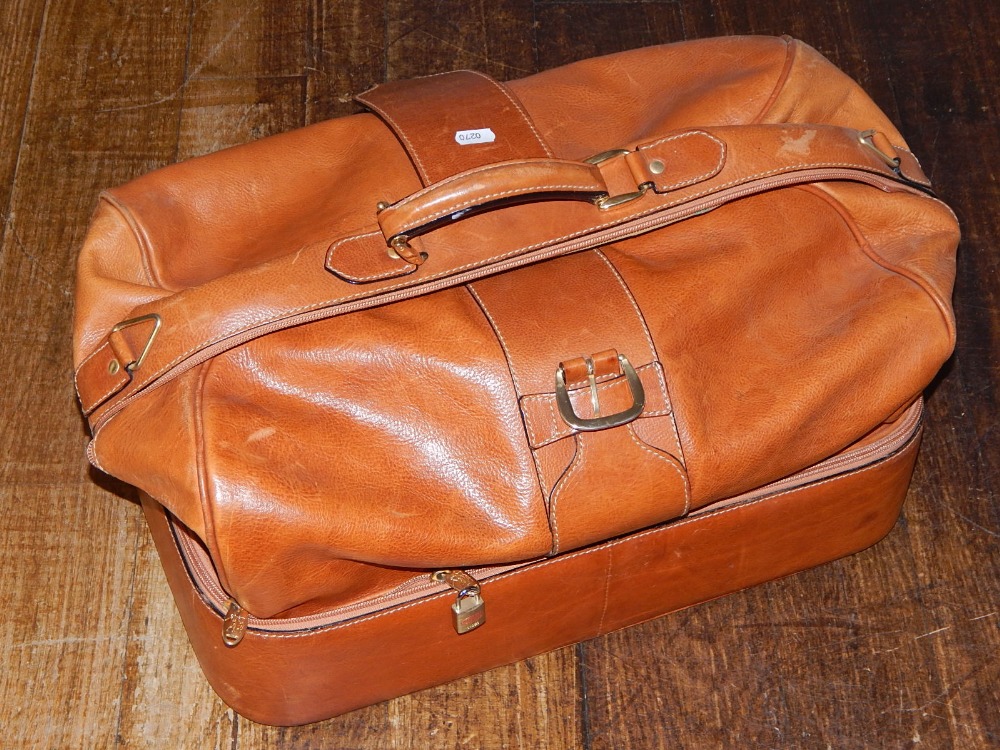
(471, 137)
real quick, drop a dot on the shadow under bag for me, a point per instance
(494, 368)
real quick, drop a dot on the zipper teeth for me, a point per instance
(414, 588)
(629, 229)
(421, 585)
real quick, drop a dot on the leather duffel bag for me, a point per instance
(642, 331)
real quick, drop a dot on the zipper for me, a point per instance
(468, 609)
(660, 217)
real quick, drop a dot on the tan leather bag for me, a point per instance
(644, 330)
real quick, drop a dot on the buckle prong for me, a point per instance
(600, 422)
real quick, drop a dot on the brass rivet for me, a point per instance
(382, 206)
(113, 367)
(656, 166)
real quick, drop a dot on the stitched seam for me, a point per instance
(105, 345)
(519, 107)
(92, 405)
(141, 238)
(557, 492)
(337, 301)
(666, 459)
(605, 546)
(558, 432)
(347, 275)
(201, 466)
(476, 171)
(704, 176)
(517, 392)
(89, 406)
(635, 307)
(411, 150)
(92, 454)
(582, 232)
(660, 375)
(499, 335)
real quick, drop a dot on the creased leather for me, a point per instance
(329, 419)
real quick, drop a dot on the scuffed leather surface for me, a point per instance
(317, 460)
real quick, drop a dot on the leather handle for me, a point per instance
(477, 189)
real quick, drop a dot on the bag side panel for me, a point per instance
(782, 341)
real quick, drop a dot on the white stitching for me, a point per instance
(558, 433)
(705, 175)
(411, 150)
(666, 459)
(405, 269)
(518, 106)
(499, 334)
(557, 492)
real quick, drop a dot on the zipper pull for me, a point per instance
(234, 625)
(469, 610)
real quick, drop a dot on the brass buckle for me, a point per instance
(599, 422)
(152, 318)
(604, 202)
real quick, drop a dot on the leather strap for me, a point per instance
(757, 158)
(431, 115)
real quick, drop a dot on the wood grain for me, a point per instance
(894, 647)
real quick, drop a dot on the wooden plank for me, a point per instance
(573, 31)
(70, 545)
(842, 31)
(427, 38)
(165, 699)
(947, 110)
(21, 23)
(527, 705)
(347, 55)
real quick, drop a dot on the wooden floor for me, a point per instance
(896, 647)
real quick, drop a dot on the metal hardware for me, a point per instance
(656, 166)
(605, 155)
(113, 367)
(381, 206)
(401, 249)
(152, 318)
(234, 625)
(610, 201)
(867, 140)
(571, 418)
(604, 202)
(469, 610)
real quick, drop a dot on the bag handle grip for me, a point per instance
(488, 187)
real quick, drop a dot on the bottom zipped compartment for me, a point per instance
(470, 587)
(303, 669)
